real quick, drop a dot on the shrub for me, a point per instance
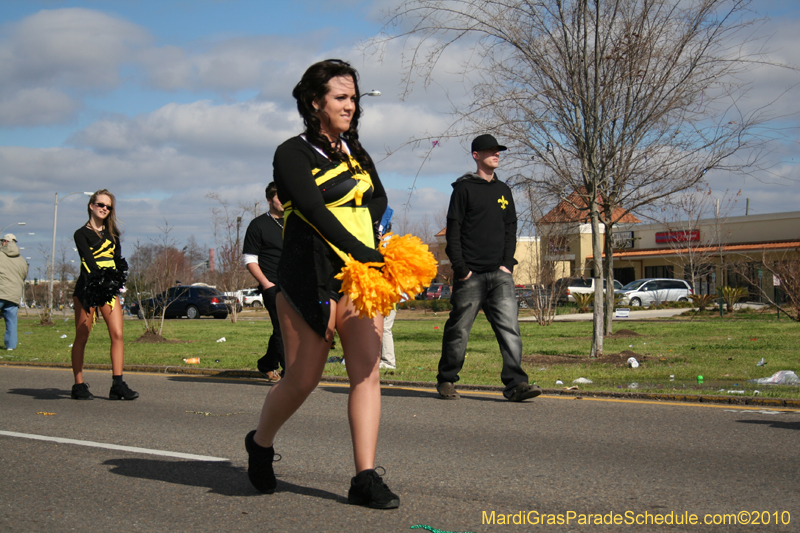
(583, 301)
(731, 295)
(701, 301)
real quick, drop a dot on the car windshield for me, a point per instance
(633, 285)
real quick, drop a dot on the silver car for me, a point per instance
(645, 292)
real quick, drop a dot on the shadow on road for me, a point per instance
(43, 394)
(773, 424)
(219, 477)
(221, 381)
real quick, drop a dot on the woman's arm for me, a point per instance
(82, 237)
(292, 172)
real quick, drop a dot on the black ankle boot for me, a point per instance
(259, 465)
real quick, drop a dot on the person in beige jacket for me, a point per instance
(13, 271)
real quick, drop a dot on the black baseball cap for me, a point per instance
(486, 141)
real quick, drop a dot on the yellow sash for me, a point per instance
(355, 219)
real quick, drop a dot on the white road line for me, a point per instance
(133, 449)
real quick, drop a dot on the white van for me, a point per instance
(645, 292)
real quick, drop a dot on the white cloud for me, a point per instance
(50, 53)
(72, 47)
(37, 106)
(199, 128)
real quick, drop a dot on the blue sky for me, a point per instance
(164, 102)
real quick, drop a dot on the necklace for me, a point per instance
(280, 225)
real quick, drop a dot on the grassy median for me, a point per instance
(671, 353)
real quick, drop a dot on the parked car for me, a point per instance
(234, 296)
(533, 297)
(566, 288)
(188, 301)
(437, 291)
(252, 298)
(643, 292)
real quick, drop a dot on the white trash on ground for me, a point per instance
(762, 362)
(782, 377)
(582, 380)
(632, 362)
(221, 339)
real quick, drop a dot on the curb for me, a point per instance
(578, 395)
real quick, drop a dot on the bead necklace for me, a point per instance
(280, 225)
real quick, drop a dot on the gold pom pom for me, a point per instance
(409, 267)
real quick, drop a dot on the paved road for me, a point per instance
(449, 461)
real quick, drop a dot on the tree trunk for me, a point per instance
(597, 318)
(608, 275)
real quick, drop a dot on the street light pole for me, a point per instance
(17, 224)
(53, 255)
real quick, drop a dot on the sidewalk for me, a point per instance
(635, 315)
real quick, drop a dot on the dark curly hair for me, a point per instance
(313, 86)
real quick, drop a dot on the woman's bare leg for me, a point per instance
(83, 327)
(113, 318)
(306, 354)
(361, 343)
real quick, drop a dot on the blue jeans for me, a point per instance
(9, 310)
(494, 293)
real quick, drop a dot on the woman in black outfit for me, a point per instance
(99, 248)
(332, 198)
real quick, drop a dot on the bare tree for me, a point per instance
(153, 270)
(228, 229)
(628, 101)
(696, 232)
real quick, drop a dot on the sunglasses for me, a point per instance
(101, 205)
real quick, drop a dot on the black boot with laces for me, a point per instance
(121, 391)
(80, 391)
(259, 465)
(368, 488)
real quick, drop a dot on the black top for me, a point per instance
(481, 226)
(308, 263)
(294, 162)
(93, 247)
(264, 238)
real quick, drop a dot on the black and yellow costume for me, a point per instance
(102, 275)
(331, 208)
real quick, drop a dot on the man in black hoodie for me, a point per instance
(481, 240)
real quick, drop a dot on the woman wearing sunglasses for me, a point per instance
(332, 197)
(97, 289)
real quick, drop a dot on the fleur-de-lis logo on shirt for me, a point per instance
(503, 202)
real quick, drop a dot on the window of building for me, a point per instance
(662, 271)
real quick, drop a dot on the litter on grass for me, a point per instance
(582, 380)
(221, 339)
(192, 361)
(63, 336)
(632, 362)
(782, 377)
(762, 362)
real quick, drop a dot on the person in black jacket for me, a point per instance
(481, 240)
(332, 199)
(97, 289)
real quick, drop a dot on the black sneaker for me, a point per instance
(121, 391)
(259, 465)
(80, 391)
(523, 391)
(368, 488)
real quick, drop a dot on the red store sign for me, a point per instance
(665, 237)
